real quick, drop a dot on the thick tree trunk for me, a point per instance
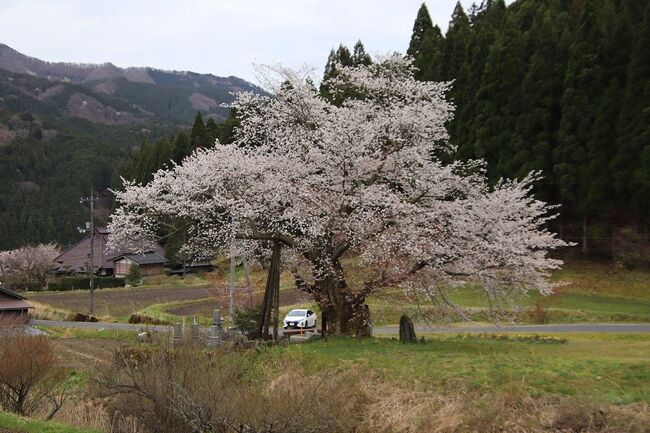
(343, 311)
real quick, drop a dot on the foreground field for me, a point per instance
(594, 293)
(612, 368)
(452, 384)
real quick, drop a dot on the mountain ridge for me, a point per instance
(172, 97)
(8, 53)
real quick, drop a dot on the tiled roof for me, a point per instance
(77, 257)
(149, 258)
(12, 301)
(13, 304)
(10, 294)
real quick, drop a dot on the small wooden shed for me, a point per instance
(149, 263)
(13, 308)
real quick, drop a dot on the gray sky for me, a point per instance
(223, 37)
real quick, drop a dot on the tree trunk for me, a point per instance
(343, 311)
(584, 235)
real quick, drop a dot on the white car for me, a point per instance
(300, 319)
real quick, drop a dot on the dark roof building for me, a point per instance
(149, 263)
(13, 307)
(77, 258)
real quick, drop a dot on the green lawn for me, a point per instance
(14, 424)
(613, 368)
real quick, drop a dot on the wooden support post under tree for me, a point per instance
(270, 305)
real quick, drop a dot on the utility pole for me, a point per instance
(231, 291)
(91, 267)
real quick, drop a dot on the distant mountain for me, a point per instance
(64, 128)
(170, 97)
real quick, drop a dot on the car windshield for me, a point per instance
(297, 313)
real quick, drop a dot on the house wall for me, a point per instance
(121, 267)
(152, 269)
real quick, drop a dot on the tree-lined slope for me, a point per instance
(557, 86)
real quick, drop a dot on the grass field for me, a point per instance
(612, 368)
(595, 293)
(14, 424)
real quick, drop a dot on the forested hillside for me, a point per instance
(557, 86)
(65, 128)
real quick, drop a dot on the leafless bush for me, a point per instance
(187, 389)
(28, 379)
(87, 413)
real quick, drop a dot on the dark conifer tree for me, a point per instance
(211, 131)
(359, 55)
(198, 135)
(343, 57)
(426, 46)
(182, 147)
(227, 128)
(422, 26)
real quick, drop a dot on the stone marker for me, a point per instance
(406, 330)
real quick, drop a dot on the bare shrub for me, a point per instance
(184, 388)
(28, 378)
(87, 413)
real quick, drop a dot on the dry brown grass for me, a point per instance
(393, 409)
(89, 414)
(47, 312)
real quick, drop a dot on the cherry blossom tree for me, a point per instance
(360, 194)
(28, 264)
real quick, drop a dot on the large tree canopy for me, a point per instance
(353, 185)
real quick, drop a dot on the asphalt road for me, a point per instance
(387, 330)
(527, 329)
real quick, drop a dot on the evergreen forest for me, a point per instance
(559, 86)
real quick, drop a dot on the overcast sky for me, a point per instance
(222, 37)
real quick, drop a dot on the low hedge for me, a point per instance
(76, 283)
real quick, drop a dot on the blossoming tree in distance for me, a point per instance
(361, 195)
